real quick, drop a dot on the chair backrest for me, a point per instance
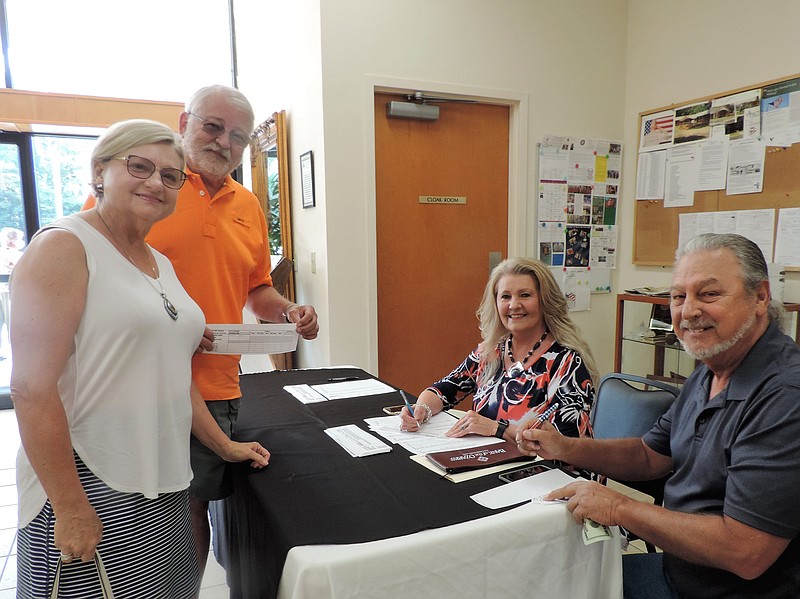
(623, 410)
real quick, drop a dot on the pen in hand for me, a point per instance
(546, 414)
(408, 405)
(541, 418)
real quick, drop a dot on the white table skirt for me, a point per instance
(531, 551)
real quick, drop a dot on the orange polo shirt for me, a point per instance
(220, 252)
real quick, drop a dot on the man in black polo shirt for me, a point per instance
(730, 521)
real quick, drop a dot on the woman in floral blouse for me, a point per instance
(532, 360)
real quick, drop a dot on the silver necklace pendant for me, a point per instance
(169, 307)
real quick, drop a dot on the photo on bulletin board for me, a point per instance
(577, 250)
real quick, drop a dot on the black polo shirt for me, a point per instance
(738, 454)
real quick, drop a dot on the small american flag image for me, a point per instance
(664, 123)
(658, 129)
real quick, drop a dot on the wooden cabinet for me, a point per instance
(659, 357)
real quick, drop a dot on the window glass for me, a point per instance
(62, 173)
(12, 211)
(273, 193)
(148, 49)
(12, 240)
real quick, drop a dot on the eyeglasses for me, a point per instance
(142, 168)
(216, 130)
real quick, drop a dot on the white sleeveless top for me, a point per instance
(125, 389)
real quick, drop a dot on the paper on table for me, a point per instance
(305, 393)
(522, 490)
(357, 442)
(357, 388)
(253, 338)
(430, 437)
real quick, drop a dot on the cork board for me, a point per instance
(656, 228)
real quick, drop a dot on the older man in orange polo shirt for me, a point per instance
(217, 241)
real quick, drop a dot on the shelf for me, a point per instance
(659, 345)
(676, 345)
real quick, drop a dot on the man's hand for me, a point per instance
(206, 343)
(541, 439)
(305, 317)
(590, 500)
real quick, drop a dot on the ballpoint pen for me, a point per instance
(337, 379)
(539, 419)
(546, 414)
(408, 404)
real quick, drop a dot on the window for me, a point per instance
(148, 49)
(42, 178)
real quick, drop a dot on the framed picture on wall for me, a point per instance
(307, 178)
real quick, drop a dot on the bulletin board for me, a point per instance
(656, 228)
(576, 231)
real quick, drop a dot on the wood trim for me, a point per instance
(273, 132)
(731, 92)
(23, 108)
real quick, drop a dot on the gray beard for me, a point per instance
(715, 350)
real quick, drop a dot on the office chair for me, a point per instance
(623, 410)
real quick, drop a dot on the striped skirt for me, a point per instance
(147, 548)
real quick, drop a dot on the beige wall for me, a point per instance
(281, 70)
(561, 62)
(584, 67)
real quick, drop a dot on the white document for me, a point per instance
(305, 393)
(681, 179)
(356, 442)
(746, 166)
(603, 247)
(526, 489)
(254, 338)
(713, 164)
(650, 175)
(430, 437)
(787, 244)
(575, 286)
(358, 388)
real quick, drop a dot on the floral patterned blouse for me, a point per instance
(558, 374)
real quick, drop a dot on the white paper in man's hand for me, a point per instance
(254, 338)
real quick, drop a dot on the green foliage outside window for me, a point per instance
(274, 216)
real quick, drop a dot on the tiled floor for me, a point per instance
(214, 586)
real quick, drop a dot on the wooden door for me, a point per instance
(433, 259)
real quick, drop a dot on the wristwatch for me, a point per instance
(502, 425)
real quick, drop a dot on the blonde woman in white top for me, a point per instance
(102, 336)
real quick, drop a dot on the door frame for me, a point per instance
(520, 231)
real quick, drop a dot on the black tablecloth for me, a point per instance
(313, 491)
